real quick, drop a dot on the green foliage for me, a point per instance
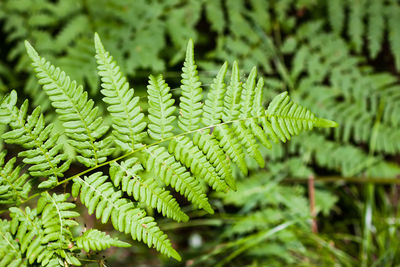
(14, 186)
(380, 16)
(201, 133)
(41, 150)
(183, 160)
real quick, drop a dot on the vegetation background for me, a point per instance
(326, 198)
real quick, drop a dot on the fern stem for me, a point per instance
(150, 145)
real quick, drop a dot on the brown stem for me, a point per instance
(311, 195)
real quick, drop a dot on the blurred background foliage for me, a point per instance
(339, 58)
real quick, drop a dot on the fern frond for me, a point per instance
(56, 217)
(161, 108)
(101, 196)
(230, 143)
(43, 151)
(214, 104)
(288, 118)
(81, 121)
(376, 27)
(44, 233)
(394, 32)
(336, 15)
(171, 172)
(95, 240)
(356, 25)
(244, 134)
(14, 186)
(10, 252)
(128, 120)
(193, 158)
(210, 147)
(233, 95)
(190, 101)
(126, 174)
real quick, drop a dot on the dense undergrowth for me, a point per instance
(326, 197)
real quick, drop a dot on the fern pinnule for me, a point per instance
(214, 103)
(233, 95)
(10, 252)
(210, 147)
(190, 101)
(394, 32)
(41, 150)
(193, 158)
(101, 196)
(126, 174)
(80, 118)
(161, 108)
(257, 114)
(128, 120)
(336, 15)
(245, 134)
(57, 219)
(44, 233)
(14, 185)
(95, 240)
(171, 172)
(375, 27)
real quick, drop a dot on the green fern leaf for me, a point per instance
(161, 108)
(125, 111)
(376, 27)
(214, 104)
(81, 121)
(192, 157)
(190, 105)
(171, 172)
(210, 147)
(10, 252)
(336, 15)
(394, 32)
(101, 196)
(125, 174)
(42, 150)
(95, 240)
(356, 25)
(288, 118)
(14, 186)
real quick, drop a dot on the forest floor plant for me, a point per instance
(131, 159)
